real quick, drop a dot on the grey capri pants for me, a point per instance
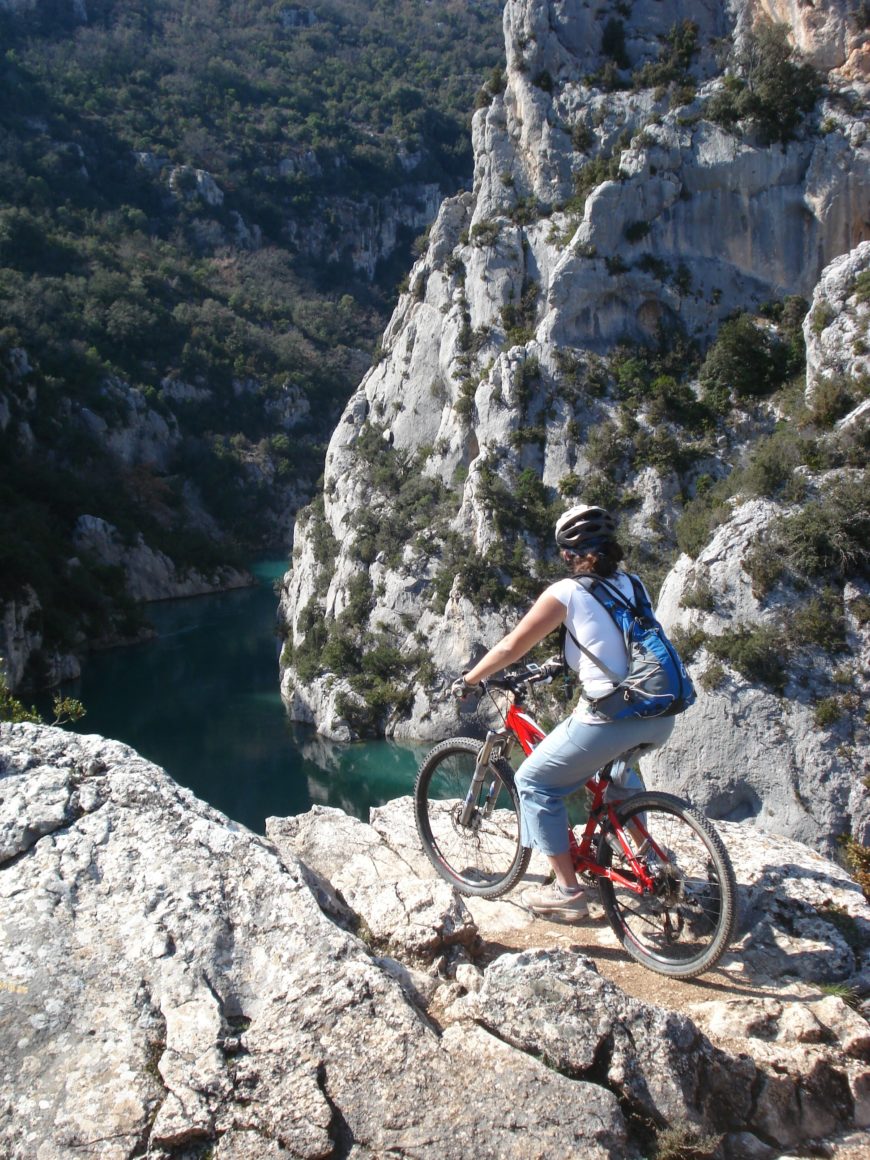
(566, 759)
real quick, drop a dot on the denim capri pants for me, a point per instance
(566, 759)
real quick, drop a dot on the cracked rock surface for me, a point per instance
(172, 985)
(167, 982)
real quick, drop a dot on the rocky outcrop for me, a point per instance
(609, 206)
(170, 981)
(149, 575)
(367, 231)
(20, 638)
(137, 436)
(744, 750)
(831, 38)
(837, 327)
(364, 231)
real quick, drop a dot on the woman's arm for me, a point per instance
(546, 614)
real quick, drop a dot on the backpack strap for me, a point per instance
(613, 677)
(588, 583)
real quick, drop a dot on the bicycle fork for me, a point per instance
(480, 766)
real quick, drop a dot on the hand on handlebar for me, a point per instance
(460, 689)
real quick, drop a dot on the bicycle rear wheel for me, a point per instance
(483, 856)
(684, 925)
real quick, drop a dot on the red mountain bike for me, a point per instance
(665, 879)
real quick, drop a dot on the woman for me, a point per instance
(583, 742)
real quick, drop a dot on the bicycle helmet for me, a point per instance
(582, 528)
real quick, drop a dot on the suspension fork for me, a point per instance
(480, 765)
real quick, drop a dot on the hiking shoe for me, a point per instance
(552, 899)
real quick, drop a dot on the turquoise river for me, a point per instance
(202, 701)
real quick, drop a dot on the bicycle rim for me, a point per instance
(684, 925)
(483, 856)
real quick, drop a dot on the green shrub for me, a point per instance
(713, 677)
(699, 596)
(675, 58)
(859, 607)
(833, 398)
(769, 471)
(819, 621)
(13, 710)
(518, 318)
(843, 991)
(831, 535)
(494, 85)
(827, 711)
(764, 566)
(598, 488)
(613, 42)
(857, 859)
(701, 515)
(774, 89)
(635, 231)
(758, 653)
(485, 233)
(595, 172)
(862, 287)
(581, 137)
(662, 451)
(306, 657)
(744, 362)
(659, 268)
(685, 1141)
(688, 641)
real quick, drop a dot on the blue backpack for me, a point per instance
(657, 684)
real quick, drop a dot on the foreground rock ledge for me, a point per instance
(173, 985)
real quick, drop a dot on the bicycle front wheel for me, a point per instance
(684, 924)
(481, 853)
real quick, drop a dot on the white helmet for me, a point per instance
(584, 527)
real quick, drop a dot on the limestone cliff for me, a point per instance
(632, 192)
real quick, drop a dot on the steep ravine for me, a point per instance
(551, 347)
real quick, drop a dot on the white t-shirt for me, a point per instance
(595, 628)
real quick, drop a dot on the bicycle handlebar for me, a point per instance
(532, 674)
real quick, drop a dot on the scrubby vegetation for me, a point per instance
(160, 176)
(770, 88)
(65, 709)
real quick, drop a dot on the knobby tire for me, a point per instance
(684, 926)
(484, 857)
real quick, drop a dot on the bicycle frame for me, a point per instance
(522, 728)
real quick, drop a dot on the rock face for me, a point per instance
(139, 435)
(744, 751)
(170, 982)
(149, 575)
(18, 639)
(603, 212)
(366, 230)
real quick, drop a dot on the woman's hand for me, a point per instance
(461, 688)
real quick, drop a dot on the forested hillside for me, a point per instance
(204, 212)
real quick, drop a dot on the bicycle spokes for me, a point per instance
(669, 893)
(468, 818)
